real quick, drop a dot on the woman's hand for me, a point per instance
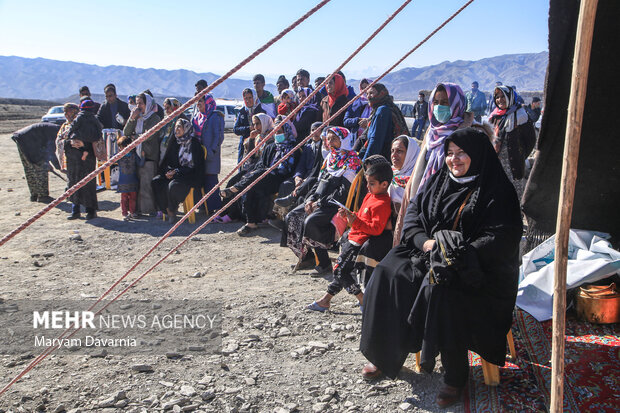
(310, 207)
(363, 123)
(428, 245)
(76, 143)
(254, 134)
(170, 174)
(135, 114)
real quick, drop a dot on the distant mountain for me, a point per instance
(525, 71)
(54, 80)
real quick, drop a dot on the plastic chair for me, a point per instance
(490, 371)
(353, 198)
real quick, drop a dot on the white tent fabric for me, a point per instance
(590, 258)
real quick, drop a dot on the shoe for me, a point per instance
(222, 220)
(226, 193)
(246, 230)
(448, 395)
(73, 216)
(133, 215)
(45, 199)
(370, 372)
(320, 270)
(286, 201)
(91, 215)
(33, 198)
(171, 218)
(276, 223)
(127, 218)
(316, 307)
(304, 264)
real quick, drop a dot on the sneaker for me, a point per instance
(286, 201)
(74, 216)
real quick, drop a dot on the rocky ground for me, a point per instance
(275, 356)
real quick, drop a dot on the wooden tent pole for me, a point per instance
(581, 63)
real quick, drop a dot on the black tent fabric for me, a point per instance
(597, 191)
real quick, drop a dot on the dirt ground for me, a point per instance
(276, 357)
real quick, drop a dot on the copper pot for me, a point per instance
(599, 304)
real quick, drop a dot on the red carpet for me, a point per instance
(592, 380)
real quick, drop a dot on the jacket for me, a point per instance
(476, 103)
(108, 119)
(193, 176)
(243, 124)
(420, 110)
(371, 218)
(150, 147)
(211, 137)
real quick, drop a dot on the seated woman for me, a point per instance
(307, 115)
(180, 170)
(262, 124)
(257, 201)
(453, 308)
(309, 225)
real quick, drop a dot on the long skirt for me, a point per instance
(146, 198)
(77, 169)
(387, 336)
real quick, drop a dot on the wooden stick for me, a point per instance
(581, 64)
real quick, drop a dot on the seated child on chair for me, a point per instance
(370, 220)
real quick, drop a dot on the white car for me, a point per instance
(230, 116)
(406, 108)
(54, 115)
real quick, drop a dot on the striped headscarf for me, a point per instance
(343, 161)
(438, 132)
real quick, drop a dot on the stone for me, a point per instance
(318, 345)
(187, 391)
(197, 274)
(325, 398)
(108, 402)
(348, 404)
(121, 404)
(319, 407)
(142, 368)
(330, 391)
(176, 402)
(176, 408)
(283, 332)
(173, 355)
(250, 381)
(166, 383)
(190, 407)
(232, 390)
(59, 409)
(208, 395)
(76, 237)
(405, 406)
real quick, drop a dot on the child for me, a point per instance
(128, 181)
(369, 221)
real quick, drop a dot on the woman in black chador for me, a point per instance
(450, 286)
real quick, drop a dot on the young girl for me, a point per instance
(128, 183)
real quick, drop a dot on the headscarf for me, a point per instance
(402, 175)
(282, 148)
(151, 108)
(200, 118)
(438, 132)
(169, 128)
(364, 98)
(340, 89)
(185, 144)
(440, 199)
(505, 123)
(266, 123)
(250, 110)
(290, 128)
(310, 105)
(343, 161)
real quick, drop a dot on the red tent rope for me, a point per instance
(49, 350)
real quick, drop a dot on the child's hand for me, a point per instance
(345, 213)
(84, 156)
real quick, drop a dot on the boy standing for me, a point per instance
(369, 221)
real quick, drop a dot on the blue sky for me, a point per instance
(213, 36)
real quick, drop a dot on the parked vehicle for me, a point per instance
(406, 108)
(54, 115)
(230, 117)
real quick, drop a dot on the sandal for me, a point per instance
(246, 230)
(316, 307)
(448, 395)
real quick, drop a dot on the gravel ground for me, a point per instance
(275, 356)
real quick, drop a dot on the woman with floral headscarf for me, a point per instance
(515, 135)
(336, 98)
(310, 225)
(180, 170)
(142, 118)
(209, 128)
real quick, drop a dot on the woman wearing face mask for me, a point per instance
(515, 135)
(142, 118)
(257, 200)
(468, 211)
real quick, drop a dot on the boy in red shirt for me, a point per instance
(370, 220)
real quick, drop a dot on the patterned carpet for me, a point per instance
(592, 381)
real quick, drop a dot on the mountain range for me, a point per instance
(56, 80)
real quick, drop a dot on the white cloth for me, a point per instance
(590, 258)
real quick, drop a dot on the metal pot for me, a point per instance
(598, 304)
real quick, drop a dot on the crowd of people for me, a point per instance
(461, 220)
